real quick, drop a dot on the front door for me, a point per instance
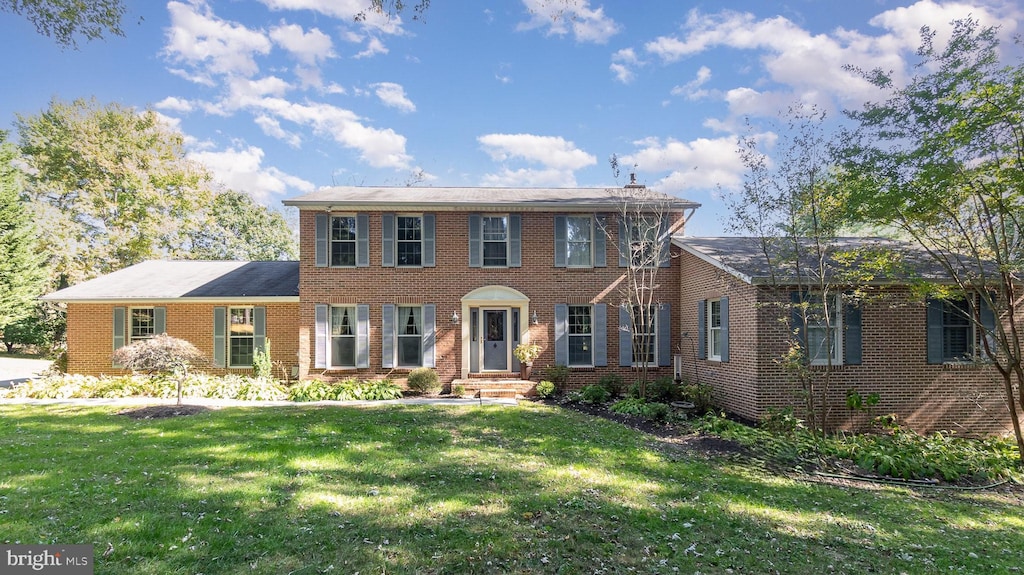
(495, 340)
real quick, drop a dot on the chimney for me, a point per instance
(632, 182)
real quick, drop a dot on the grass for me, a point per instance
(483, 489)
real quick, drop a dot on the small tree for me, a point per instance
(161, 354)
(26, 331)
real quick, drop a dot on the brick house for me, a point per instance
(918, 356)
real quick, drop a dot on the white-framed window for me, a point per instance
(495, 241)
(343, 241)
(409, 332)
(343, 336)
(715, 329)
(958, 336)
(581, 336)
(579, 236)
(143, 323)
(644, 247)
(645, 335)
(824, 340)
(409, 240)
(241, 336)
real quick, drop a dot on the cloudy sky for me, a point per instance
(282, 97)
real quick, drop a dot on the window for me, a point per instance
(409, 328)
(343, 336)
(241, 338)
(409, 240)
(495, 241)
(579, 241)
(581, 336)
(715, 329)
(824, 341)
(643, 241)
(343, 241)
(957, 331)
(645, 335)
(143, 324)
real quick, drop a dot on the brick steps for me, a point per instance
(511, 387)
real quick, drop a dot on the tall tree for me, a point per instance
(110, 187)
(942, 159)
(238, 228)
(66, 20)
(22, 277)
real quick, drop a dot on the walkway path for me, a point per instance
(15, 369)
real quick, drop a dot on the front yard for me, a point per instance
(416, 489)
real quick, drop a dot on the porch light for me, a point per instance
(455, 317)
(533, 318)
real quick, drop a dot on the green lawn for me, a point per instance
(403, 489)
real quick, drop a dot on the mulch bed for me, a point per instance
(162, 411)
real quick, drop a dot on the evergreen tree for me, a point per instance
(22, 276)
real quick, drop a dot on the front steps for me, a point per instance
(496, 386)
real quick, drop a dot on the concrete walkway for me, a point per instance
(16, 370)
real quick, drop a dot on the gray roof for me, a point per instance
(549, 199)
(744, 258)
(164, 280)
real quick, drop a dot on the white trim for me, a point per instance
(708, 329)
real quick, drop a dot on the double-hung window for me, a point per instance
(409, 331)
(143, 324)
(409, 240)
(581, 336)
(645, 335)
(343, 241)
(343, 336)
(644, 244)
(495, 241)
(824, 330)
(715, 329)
(241, 336)
(957, 331)
(579, 238)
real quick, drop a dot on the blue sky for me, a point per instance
(282, 97)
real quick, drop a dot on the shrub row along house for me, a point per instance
(390, 279)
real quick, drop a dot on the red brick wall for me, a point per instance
(90, 333)
(446, 284)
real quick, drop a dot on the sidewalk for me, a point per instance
(15, 370)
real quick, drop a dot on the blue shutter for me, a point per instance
(625, 338)
(561, 334)
(118, 331)
(934, 330)
(323, 222)
(159, 320)
(362, 336)
(797, 318)
(561, 242)
(259, 328)
(724, 334)
(220, 327)
(515, 241)
(852, 348)
(600, 243)
(600, 335)
(362, 240)
(428, 241)
(320, 339)
(387, 240)
(702, 329)
(623, 243)
(387, 336)
(429, 333)
(665, 335)
(476, 258)
(666, 242)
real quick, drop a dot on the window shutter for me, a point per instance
(666, 242)
(323, 222)
(387, 241)
(852, 348)
(362, 336)
(320, 339)
(259, 328)
(561, 244)
(476, 247)
(934, 330)
(600, 243)
(387, 336)
(561, 334)
(724, 334)
(429, 333)
(515, 241)
(702, 329)
(798, 318)
(429, 226)
(362, 240)
(623, 243)
(159, 320)
(220, 321)
(600, 335)
(118, 331)
(625, 338)
(988, 324)
(665, 335)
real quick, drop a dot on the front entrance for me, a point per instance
(495, 340)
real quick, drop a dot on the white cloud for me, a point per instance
(561, 16)
(700, 164)
(393, 96)
(373, 47)
(550, 151)
(272, 128)
(623, 63)
(308, 48)
(692, 89)
(242, 170)
(529, 178)
(174, 104)
(344, 10)
(200, 39)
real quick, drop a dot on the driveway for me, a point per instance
(15, 370)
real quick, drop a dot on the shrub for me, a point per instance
(699, 394)
(663, 389)
(781, 421)
(545, 388)
(424, 380)
(159, 385)
(594, 394)
(458, 390)
(262, 366)
(656, 411)
(310, 390)
(612, 382)
(558, 375)
(638, 407)
(628, 406)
